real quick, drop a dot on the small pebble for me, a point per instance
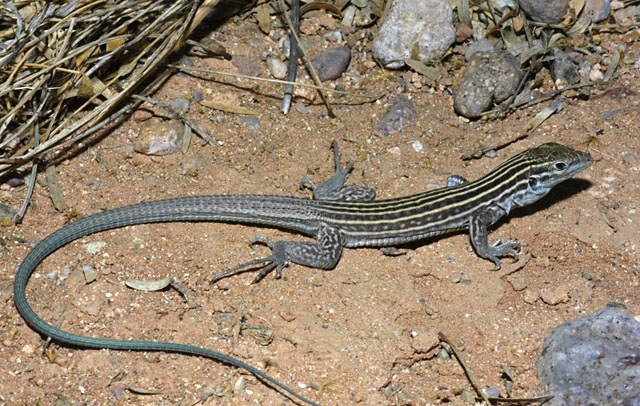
(277, 68)
(596, 75)
(545, 11)
(128, 150)
(89, 273)
(348, 16)
(443, 355)
(15, 182)
(181, 105)
(185, 60)
(240, 386)
(193, 162)
(94, 247)
(141, 115)
(246, 66)
(7, 215)
(334, 36)
(197, 97)
(64, 272)
(302, 108)
(159, 137)
(397, 117)
(331, 64)
(288, 316)
(491, 392)
(395, 151)
(252, 123)
(417, 146)
(555, 295)
(285, 47)
(27, 349)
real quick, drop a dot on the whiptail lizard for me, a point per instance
(339, 216)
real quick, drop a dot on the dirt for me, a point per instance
(365, 332)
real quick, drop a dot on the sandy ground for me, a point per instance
(365, 332)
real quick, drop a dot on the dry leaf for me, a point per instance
(149, 286)
(229, 108)
(264, 18)
(85, 87)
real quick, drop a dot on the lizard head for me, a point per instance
(548, 165)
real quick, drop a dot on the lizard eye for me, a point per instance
(533, 182)
(560, 166)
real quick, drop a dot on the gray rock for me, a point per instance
(599, 9)
(181, 105)
(397, 117)
(277, 68)
(15, 182)
(197, 96)
(490, 77)
(545, 11)
(417, 29)
(7, 215)
(331, 64)
(301, 108)
(251, 123)
(246, 66)
(567, 68)
(482, 45)
(593, 361)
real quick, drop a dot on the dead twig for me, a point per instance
(305, 57)
(463, 364)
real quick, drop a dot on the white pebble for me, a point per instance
(277, 68)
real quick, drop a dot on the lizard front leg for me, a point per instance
(478, 231)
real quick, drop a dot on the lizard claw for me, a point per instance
(500, 249)
(277, 260)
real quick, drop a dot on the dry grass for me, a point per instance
(68, 68)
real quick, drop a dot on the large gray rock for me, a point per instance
(598, 10)
(490, 77)
(593, 361)
(545, 11)
(417, 29)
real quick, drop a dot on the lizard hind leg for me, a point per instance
(323, 254)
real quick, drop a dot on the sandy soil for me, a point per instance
(365, 332)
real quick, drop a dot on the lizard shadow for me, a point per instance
(560, 192)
